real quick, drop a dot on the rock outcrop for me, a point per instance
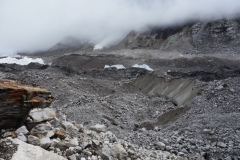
(16, 101)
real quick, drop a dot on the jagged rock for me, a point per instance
(29, 152)
(33, 140)
(78, 149)
(22, 130)
(50, 134)
(22, 137)
(16, 100)
(180, 153)
(45, 142)
(114, 150)
(207, 131)
(221, 144)
(55, 123)
(70, 151)
(59, 144)
(69, 125)
(7, 134)
(98, 128)
(41, 130)
(72, 157)
(60, 134)
(39, 115)
(71, 142)
(161, 145)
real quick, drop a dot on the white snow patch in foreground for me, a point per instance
(20, 61)
(117, 66)
(144, 66)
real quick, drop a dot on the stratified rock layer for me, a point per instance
(16, 101)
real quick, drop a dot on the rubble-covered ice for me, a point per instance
(144, 66)
(21, 61)
(117, 66)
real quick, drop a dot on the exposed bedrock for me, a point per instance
(178, 90)
(16, 101)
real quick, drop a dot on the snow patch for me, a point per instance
(21, 61)
(117, 66)
(144, 66)
(98, 47)
(104, 43)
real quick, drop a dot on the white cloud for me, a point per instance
(31, 25)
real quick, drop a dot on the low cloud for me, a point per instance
(32, 25)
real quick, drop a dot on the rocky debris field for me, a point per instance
(69, 140)
(186, 108)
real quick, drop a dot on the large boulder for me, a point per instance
(16, 101)
(28, 152)
(39, 115)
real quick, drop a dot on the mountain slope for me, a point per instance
(208, 36)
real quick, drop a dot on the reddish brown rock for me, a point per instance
(60, 134)
(16, 101)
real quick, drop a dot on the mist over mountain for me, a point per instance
(33, 25)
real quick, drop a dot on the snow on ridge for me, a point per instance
(21, 61)
(98, 47)
(117, 66)
(144, 66)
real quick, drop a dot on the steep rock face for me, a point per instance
(178, 90)
(16, 101)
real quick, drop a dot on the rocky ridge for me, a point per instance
(197, 37)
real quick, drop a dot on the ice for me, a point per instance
(144, 66)
(21, 61)
(98, 47)
(117, 66)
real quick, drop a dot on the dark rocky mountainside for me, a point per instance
(210, 36)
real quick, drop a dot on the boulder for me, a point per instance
(22, 130)
(161, 145)
(33, 140)
(113, 150)
(45, 142)
(16, 101)
(7, 134)
(71, 142)
(29, 152)
(98, 128)
(39, 115)
(221, 144)
(22, 137)
(41, 129)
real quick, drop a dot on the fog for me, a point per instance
(31, 25)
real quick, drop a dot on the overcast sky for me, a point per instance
(30, 25)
